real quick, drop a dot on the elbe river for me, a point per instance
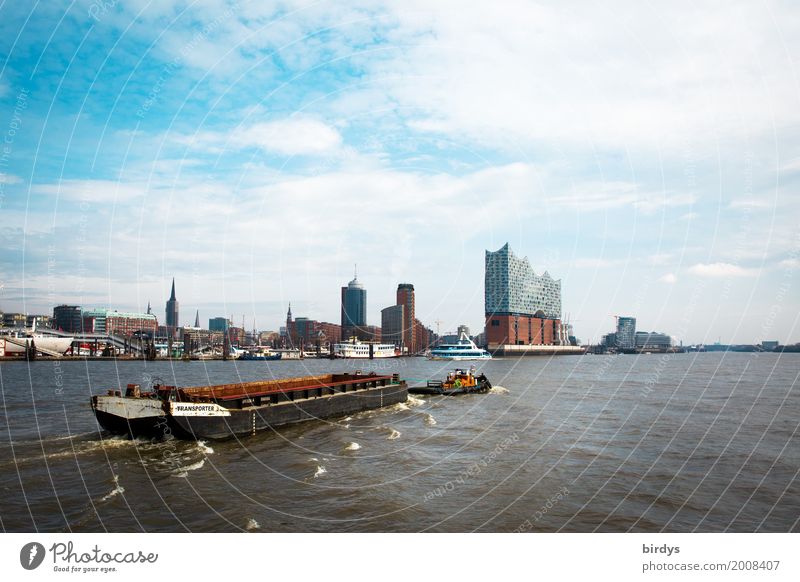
(702, 442)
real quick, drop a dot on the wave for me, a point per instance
(252, 525)
(498, 390)
(352, 447)
(429, 420)
(117, 490)
(204, 448)
(394, 434)
(183, 472)
(414, 401)
(320, 471)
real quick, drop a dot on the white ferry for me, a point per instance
(463, 349)
(361, 350)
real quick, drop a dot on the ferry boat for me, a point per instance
(259, 354)
(364, 350)
(457, 382)
(463, 349)
(227, 410)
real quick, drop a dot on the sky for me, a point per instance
(646, 154)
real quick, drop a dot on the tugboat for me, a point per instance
(457, 382)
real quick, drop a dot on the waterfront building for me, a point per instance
(354, 310)
(423, 337)
(219, 324)
(626, 332)
(172, 313)
(41, 320)
(106, 321)
(392, 322)
(14, 320)
(302, 331)
(521, 307)
(652, 341)
(405, 297)
(68, 318)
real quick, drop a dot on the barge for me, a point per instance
(228, 410)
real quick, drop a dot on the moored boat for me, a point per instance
(463, 349)
(457, 382)
(218, 412)
(364, 350)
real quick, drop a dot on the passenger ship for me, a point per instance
(463, 349)
(361, 350)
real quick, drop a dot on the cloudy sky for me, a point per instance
(647, 154)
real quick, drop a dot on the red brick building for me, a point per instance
(522, 330)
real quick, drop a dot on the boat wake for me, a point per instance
(498, 390)
(252, 525)
(117, 490)
(320, 471)
(352, 447)
(394, 434)
(204, 448)
(429, 420)
(183, 472)
(414, 401)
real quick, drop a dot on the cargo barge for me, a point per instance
(228, 410)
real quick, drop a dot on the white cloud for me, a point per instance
(293, 136)
(9, 178)
(594, 263)
(668, 278)
(103, 191)
(721, 270)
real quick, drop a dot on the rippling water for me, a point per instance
(685, 442)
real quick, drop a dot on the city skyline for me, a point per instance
(256, 156)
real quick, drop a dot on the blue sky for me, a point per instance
(646, 155)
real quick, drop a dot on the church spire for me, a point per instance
(289, 313)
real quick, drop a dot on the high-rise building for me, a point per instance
(172, 312)
(392, 323)
(405, 297)
(219, 324)
(626, 332)
(521, 307)
(68, 318)
(354, 310)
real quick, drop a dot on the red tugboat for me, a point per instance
(457, 382)
(218, 412)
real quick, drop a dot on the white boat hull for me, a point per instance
(18, 345)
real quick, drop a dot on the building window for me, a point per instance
(495, 323)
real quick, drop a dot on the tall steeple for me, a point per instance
(197, 318)
(172, 313)
(289, 313)
(148, 308)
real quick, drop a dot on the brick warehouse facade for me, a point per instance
(522, 330)
(522, 308)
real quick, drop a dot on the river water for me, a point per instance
(685, 442)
